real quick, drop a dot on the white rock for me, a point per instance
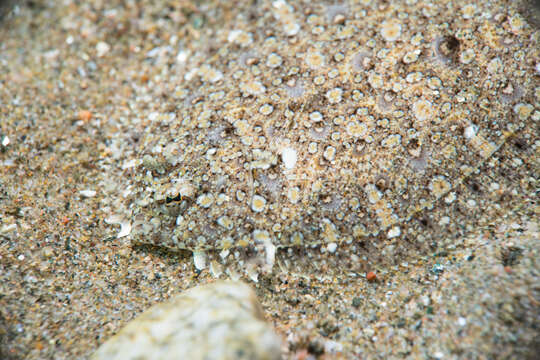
(102, 48)
(394, 232)
(332, 247)
(219, 321)
(470, 131)
(216, 269)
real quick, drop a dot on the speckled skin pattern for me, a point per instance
(461, 279)
(390, 110)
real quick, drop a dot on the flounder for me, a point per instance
(305, 126)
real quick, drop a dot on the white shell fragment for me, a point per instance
(125, 225)
(289, 157)
(199, 259)
(125, 229)
(88, 193)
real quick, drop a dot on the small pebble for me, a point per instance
(84, 115)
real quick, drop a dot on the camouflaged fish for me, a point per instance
(325, 125)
